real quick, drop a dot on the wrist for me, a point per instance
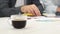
(21, 8)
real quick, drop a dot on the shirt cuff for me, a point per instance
(19, 9)
(54, 8)
(51, 9)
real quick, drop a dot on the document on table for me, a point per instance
(45, 19)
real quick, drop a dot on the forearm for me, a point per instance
(5, 10)
(10, 11)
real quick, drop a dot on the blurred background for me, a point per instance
(22, 2)
(56, 2)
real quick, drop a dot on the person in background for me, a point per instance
(7, 8)
(50, 7)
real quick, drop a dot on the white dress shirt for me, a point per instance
(56, 2)
(19, 3)
(49, 6)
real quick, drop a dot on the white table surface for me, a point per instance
(32, 27)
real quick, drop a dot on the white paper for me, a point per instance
(45, 19)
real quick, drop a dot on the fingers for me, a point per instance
(36, 10)
(31, 9)
(27, 9)
(23, 9)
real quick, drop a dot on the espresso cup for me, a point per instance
(18, 21)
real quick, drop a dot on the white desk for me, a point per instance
(32, 27)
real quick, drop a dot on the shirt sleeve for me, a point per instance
(6, 11)
(49, 6)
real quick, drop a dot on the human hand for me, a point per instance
(58, 9)
(31, 9)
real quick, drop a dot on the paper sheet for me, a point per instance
(45, 19)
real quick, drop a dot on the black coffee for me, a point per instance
(19, 24)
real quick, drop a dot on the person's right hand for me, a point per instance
(58, 9)
(31, 9)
